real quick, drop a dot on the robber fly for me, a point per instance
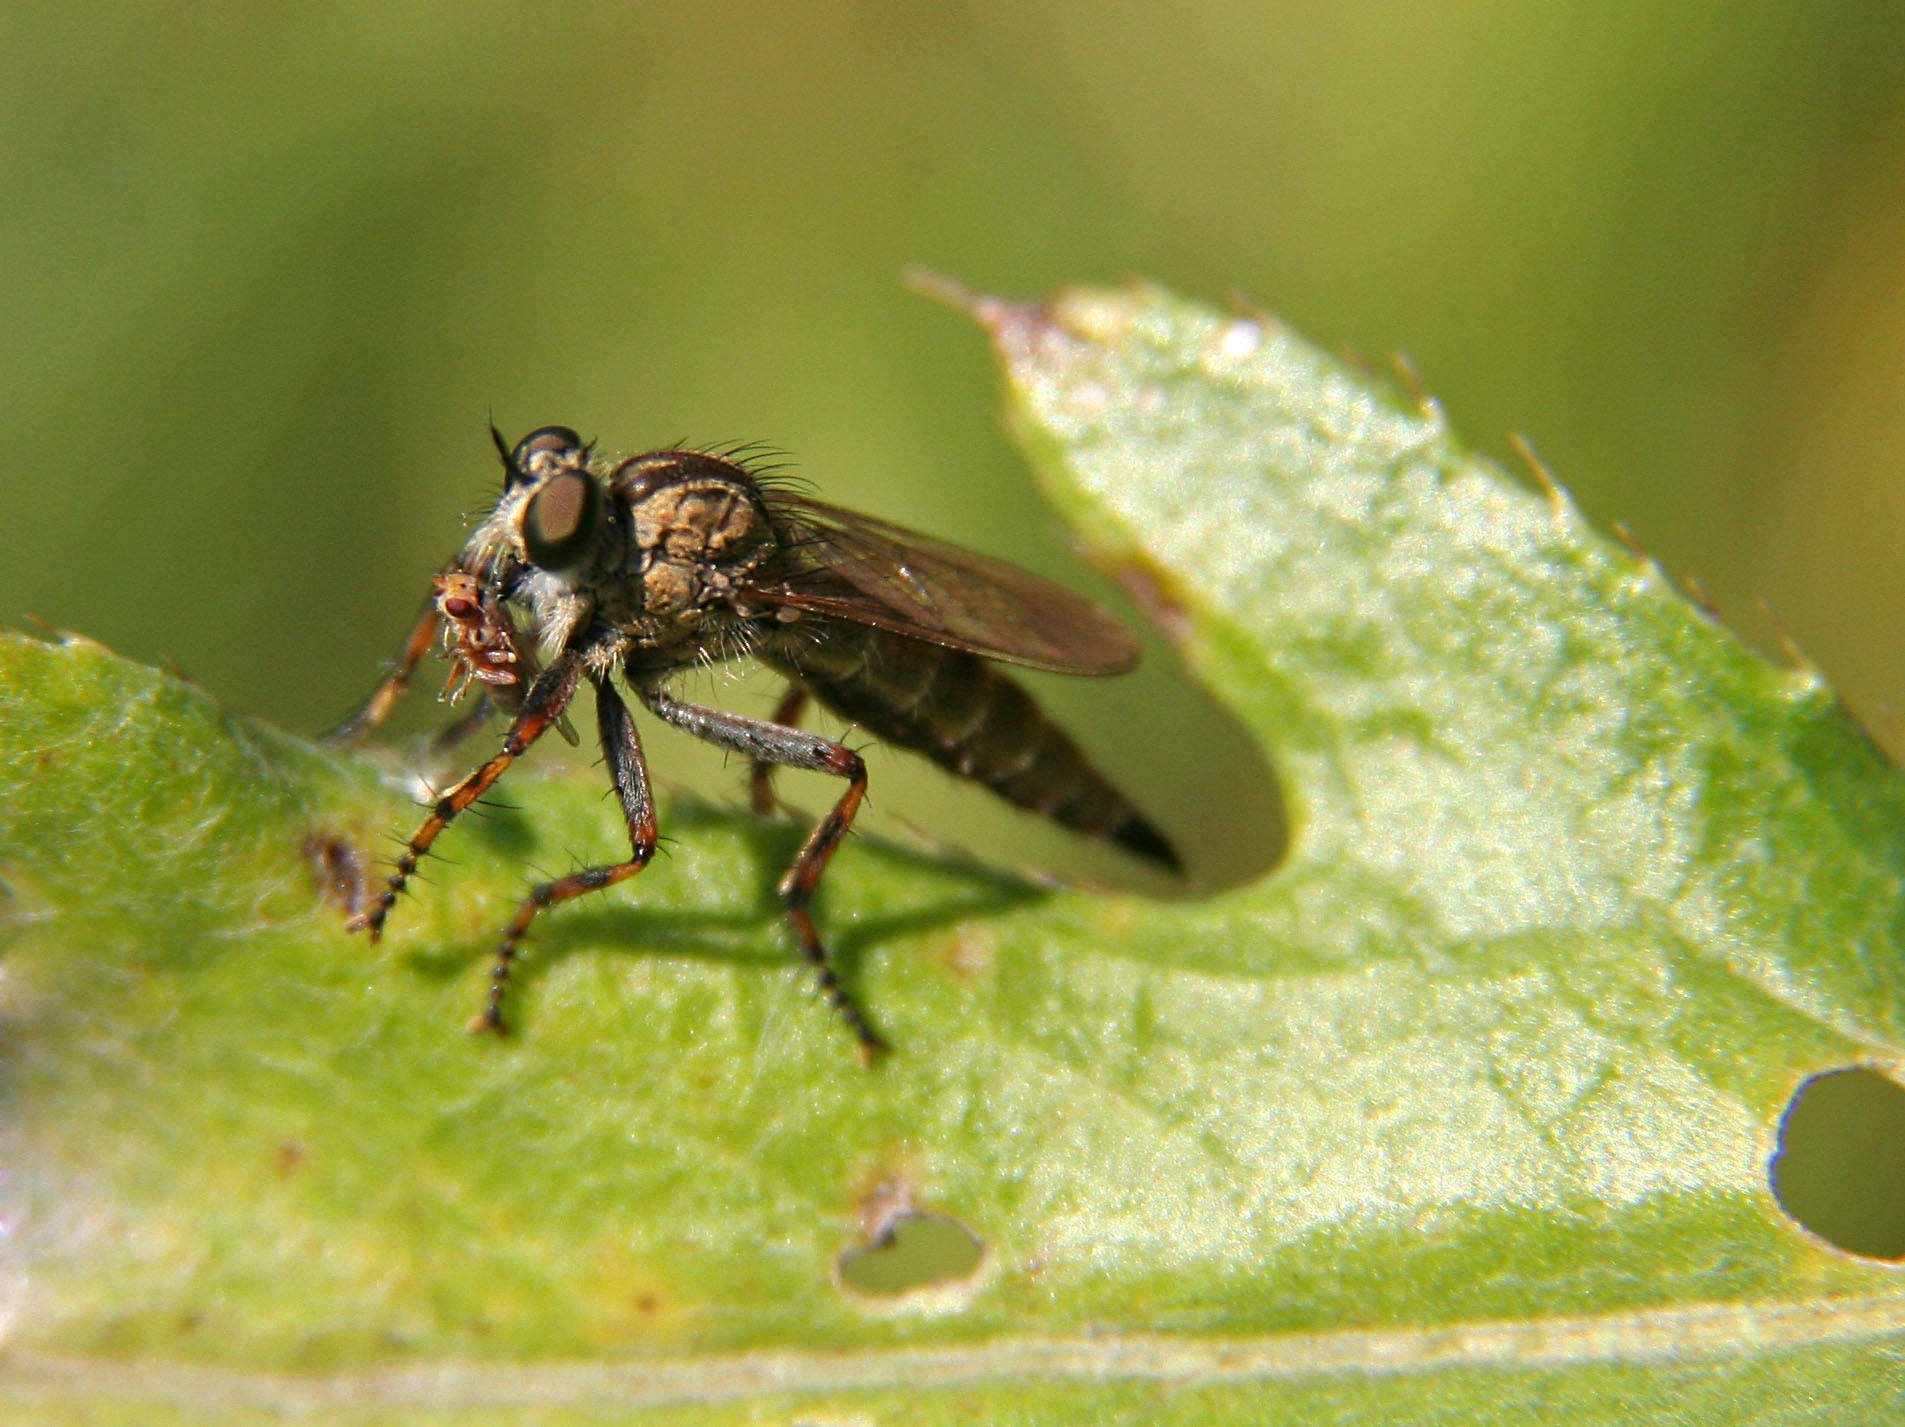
(677, 558)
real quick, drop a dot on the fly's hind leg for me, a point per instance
(773, 743)
(760, 782)
(622, 747)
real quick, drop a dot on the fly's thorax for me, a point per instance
(696, 530)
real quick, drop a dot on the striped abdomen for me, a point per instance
(972, 719)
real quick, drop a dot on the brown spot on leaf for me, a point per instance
(1161, 607)
(341, 870)
(967, 956)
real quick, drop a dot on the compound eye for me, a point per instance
(545, 442)
(560, 520)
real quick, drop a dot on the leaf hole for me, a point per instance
(915, 1252)
(1840, 1166)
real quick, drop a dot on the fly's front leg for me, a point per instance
(772, 743)
(391, 687)
(760, 782)
(542, 706)
(623, 749)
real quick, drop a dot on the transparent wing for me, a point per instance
(853, 567)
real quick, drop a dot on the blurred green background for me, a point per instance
(268, 268)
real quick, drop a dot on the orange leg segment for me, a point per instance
(542, 706)
(623, 749)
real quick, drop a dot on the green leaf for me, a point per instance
(1463, 1113)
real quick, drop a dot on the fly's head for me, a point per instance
(550, 540)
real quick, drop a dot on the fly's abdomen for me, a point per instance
(972, 719)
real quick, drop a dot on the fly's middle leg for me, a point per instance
(773, 743)
(622, 747)
(760, 782)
